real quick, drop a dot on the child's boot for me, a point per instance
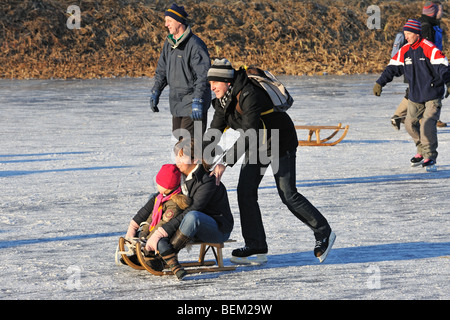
(170, 258)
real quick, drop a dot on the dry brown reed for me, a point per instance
(124, 37)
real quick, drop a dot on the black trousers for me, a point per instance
(188, 124)
(247, 191)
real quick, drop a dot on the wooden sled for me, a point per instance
(322, 142)
(191, 267)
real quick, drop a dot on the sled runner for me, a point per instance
(135, 248)
(192, 267)
(322, 142)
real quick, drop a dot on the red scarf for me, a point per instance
(157, 208)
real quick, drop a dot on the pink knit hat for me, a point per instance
(168, 176)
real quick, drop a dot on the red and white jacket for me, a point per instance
(425, 68)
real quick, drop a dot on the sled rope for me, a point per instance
(131, 245)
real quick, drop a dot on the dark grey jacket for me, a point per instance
(184, 66)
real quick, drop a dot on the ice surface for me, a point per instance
(78, 159)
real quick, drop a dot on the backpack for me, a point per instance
(438, 36)
(277, 92)
(399, 42)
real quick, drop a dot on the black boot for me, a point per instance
(153, 261)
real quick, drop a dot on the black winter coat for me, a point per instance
(428, 24)
(253, 100)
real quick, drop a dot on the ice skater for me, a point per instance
(241, 104)
(426, 69)
(430, 19)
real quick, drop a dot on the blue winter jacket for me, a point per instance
(425, 68)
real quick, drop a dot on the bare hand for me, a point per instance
(218, 172)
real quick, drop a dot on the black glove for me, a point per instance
(154, 100)
(377, 89)
(448, 92)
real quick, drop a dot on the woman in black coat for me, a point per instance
(244, 105)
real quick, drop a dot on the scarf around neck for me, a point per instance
(157, 208)
(174, 43)
(223, 101)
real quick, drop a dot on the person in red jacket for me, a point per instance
(426, 70)
(430, 19)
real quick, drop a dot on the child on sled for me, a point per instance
(163, 206)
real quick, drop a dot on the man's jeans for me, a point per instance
(285, 178)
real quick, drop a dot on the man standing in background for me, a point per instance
(183, 65)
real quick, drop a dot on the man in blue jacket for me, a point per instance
(426, 70)
(183, 65)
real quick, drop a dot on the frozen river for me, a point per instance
(78, 159)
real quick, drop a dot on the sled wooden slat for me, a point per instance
(216, 248)
(315, 130)
(197, 266)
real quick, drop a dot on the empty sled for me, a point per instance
(318, 141)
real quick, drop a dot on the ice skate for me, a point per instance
(429, 165)
(396, 121)
(417, 160)
(249, 256)
(323, 247)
